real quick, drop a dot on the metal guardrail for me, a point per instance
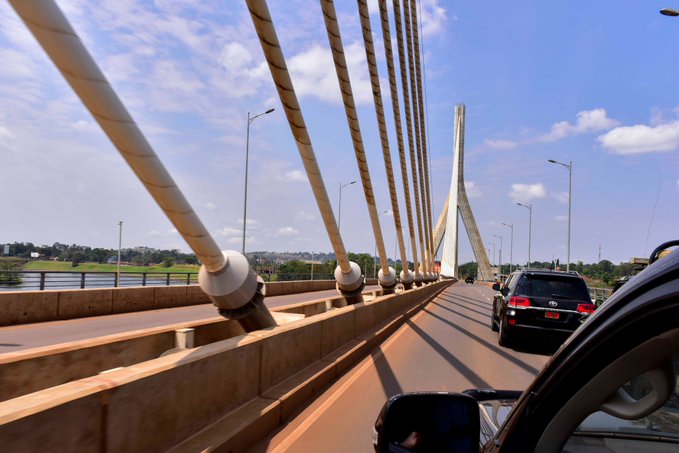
(42, 280)
(21, 280)
(600, 294)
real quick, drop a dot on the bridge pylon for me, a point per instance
(447, 224)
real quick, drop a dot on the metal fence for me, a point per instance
(42, 280)
(600, 294)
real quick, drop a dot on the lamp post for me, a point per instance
(339, 209)
(569, 166)
(247, 155)
(529, 206)
(511, 245)
(120, 243)
(500, 254)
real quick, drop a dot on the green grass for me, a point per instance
(96, 267)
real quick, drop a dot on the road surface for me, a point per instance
(448, 346)
(26, 336)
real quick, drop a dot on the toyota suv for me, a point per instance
(540, 301)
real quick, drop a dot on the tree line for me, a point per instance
(140, 256)
(604, 270)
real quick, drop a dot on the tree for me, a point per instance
(168, 262)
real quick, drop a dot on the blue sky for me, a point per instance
(592, 82)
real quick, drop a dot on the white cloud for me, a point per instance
(527, 192)
(313, 73)
(472, 189)
(500, 144)
(235, 57)
(433, 17)
(230, 231)
(172, 231)
(210, 206)
(562, 197)
(293, 176)
(154, 233)
(561, 218)
(641, 139)
(303, 215)
(286, 232)
(677, 183)
(588, 121)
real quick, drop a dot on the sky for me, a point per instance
(588, 82)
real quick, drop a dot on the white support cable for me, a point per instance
(381, 121)
(335, 40)
(226, 277)
(411, 143)
(418, 138)
(426, 116)
(386, 38)
(281, 77)
(423, 131)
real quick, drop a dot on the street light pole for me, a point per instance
(120, 243)
(511, 245)
(247, 155)
(339, 209)
(529, 206)
(500, 255)
(569, 166)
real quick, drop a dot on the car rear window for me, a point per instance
(553, 286)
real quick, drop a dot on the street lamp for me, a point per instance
(569, 166)
(669, 12)
(528, 206)
(339, 210)
(120, 243)
(511, 245)
(500, 254)
(247, 155)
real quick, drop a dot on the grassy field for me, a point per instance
(96, 267)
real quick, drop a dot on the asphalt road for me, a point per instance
(27, 336)
(446, 347)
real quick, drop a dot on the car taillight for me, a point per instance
(516, 301)
(586, 308)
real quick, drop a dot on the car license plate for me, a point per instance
(551, 315)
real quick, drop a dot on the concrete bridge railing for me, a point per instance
(22, 307)
(224, 395)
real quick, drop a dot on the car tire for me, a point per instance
(503, 335)
(493, 321)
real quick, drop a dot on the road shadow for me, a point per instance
(497, 349)
(463, 369)
(466, 300)
(386, 374)
(9, 345)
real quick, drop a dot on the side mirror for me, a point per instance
(496, 286)
(504, 291)
(441, 422)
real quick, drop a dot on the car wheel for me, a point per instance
(503, 335)
(493, 321)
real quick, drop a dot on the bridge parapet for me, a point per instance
(23, 307)
(227, 394)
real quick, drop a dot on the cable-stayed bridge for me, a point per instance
(290, 357)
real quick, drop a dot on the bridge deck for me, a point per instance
(447, 347)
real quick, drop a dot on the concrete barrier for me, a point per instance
(223, 395)
(22, 307)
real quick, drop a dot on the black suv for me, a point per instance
(541, 301)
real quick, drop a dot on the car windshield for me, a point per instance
(554, 286)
